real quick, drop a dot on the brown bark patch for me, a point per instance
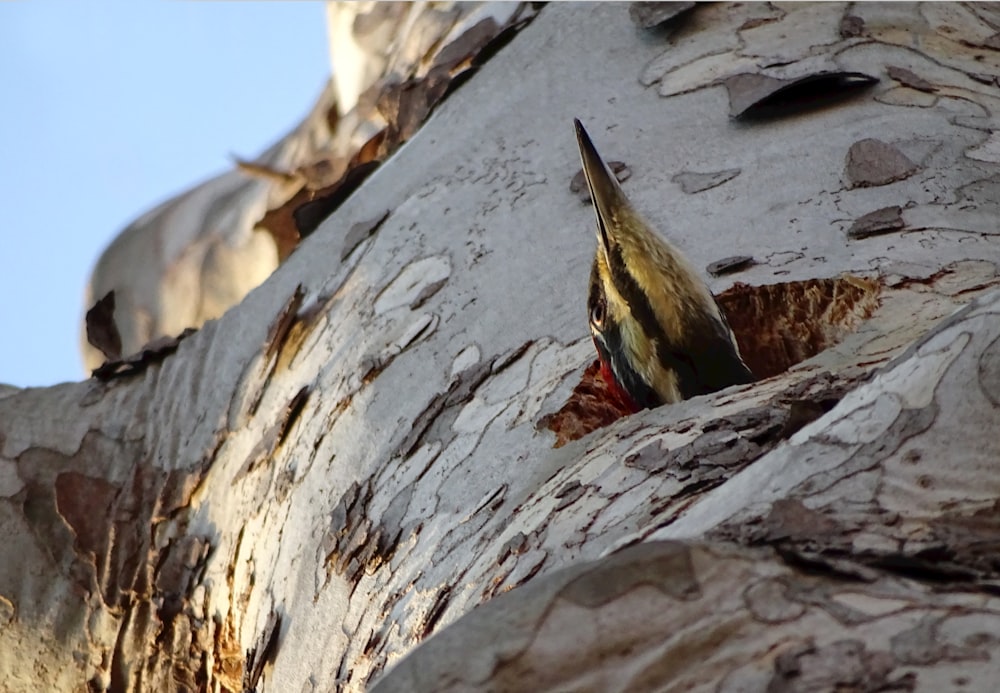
(668, 568)
(780, 325)
(908, 78)
(85, 503)
(356, 545)
(591, 406)
(872, 162)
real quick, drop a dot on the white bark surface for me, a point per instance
(360, 447)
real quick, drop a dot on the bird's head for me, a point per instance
(650, 313)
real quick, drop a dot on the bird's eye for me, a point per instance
(597, 312)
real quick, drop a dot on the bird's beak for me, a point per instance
(605, 191)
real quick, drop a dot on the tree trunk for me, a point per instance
(362, 451)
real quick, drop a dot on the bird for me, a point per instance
(661, 336)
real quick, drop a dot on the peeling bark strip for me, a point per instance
(403, 105)
(262, 654)
(153, 352)
(652, 600)
(102, 333)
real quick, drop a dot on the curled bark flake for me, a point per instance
(460, 391)
(282, 324)
(513, 27)
(262, 654)
(354, 543)
(359, 232)
(881, 221)
(426, 293)
(569, 494)
(755, 96)
(292, 411)
(102, 332)
(514, 546)
(317, 197)
(648, 15)
(730, 265)
(435, 612)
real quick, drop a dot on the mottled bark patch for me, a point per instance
(841, 665)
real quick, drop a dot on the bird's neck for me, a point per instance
(617, 394)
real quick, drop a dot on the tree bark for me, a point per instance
(360, 453)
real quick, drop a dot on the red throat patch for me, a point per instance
(616, 393)
(597, 401)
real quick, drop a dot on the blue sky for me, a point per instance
(110, 107)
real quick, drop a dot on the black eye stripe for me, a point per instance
(609, 347)
(669, 353)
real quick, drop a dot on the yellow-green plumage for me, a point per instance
(656, 324)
